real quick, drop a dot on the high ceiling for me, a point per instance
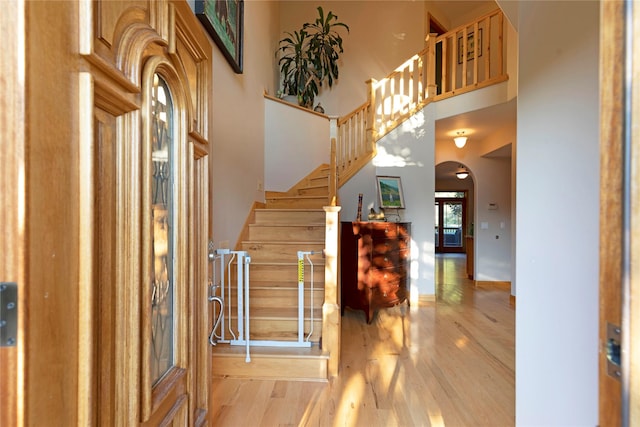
(483, 122)
(452, 9)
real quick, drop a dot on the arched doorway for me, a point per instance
(453, 207)
(454, 218)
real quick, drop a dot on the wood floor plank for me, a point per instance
(444, 363)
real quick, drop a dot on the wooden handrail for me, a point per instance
(415, 83)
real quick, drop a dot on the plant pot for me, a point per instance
(291, 99)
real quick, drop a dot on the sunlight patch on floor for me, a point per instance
(436, 420)
(349, 406)
(462, 342)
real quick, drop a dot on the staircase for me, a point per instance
(291, 221)
(295, 220)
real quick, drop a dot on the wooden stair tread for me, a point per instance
(279, 285)
(295, 197)
(223, 350)
(293, 215)
(312, 186)
(283, 313)
(273, 363)
(287, 264)
(262, 245)
(282, 242)
(276, 224)
(289, 210)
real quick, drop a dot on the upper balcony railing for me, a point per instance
(467, 58)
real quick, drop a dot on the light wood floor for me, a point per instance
(448, 363)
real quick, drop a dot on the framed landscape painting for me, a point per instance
(390, 192)
(224, 21)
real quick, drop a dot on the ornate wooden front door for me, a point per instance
(151, 159)
(105, 212)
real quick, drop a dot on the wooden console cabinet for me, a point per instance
(374, 265)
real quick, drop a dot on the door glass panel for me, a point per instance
(452, 224)
(437, 225)
(163, 231)
(451, 194)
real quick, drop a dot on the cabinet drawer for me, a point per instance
(390, 259)
(387, 260)
(390, 244)
(388, 298)
(383, 277)
(383, 246)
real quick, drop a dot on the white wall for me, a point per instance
(237, 129)
(296, 142)
(383, 34)
(407, 152)
(557, 216)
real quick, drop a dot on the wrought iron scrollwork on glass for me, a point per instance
(163, 231)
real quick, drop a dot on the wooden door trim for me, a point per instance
(632, 346)
(12, 198)
(613, 410)
(200, 317)
(611, 158)
(440, 244)
(433, 22)
(152, 397)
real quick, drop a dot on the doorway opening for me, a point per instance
(438, 29)
(450, 217)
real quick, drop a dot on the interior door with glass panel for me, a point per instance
(450, 219)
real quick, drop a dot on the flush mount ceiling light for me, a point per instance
(462, 172)
(460, 140)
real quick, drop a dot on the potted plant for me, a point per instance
(309, 57)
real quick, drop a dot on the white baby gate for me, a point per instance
(239, 333)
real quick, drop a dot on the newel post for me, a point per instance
(331, 308)
(333, 174)
(431, 65)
